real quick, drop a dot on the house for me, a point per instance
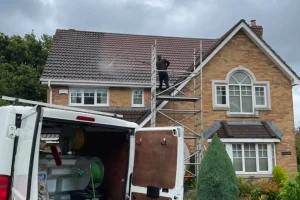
(247, 88)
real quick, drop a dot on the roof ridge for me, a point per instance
(132, 34)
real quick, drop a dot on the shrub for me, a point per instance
(217, 178)
(268, 190)
(279, 175)
(291, 190)
(244, 187)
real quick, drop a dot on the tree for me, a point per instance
(217, 178)
(22, 61)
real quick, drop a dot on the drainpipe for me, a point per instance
(49, 86)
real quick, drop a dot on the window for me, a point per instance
(252, 158)
(76, 96)
(102, 97)
(260, 96)
(221, 94)
(240, 94)
(137, 98)
(89, 97)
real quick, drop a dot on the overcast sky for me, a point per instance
(186, 18)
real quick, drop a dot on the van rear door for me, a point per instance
(24, 178)
(158, 169)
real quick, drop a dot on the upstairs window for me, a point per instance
(89, 97)
(137, 98)
(240, 94)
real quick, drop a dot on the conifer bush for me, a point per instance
(217, 179)
(279, 175)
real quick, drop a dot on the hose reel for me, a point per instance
(71, 138)
(89, 172)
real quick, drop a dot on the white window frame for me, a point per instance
(256, 108)
(143, 98)
(82, 97)
(265, 95)
(258, 172)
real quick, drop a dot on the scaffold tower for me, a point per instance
(195, 113)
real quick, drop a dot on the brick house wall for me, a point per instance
(119, 97)
(239, 51)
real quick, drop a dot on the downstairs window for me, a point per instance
(252, 158)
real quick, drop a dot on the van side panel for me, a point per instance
(7, 119)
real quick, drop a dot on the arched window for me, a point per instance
(240, 93)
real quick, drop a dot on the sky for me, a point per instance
(183, 18)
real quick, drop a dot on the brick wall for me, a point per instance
(239, 51)
(120, 97)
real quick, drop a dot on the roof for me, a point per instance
(243, 129)
(114, 57)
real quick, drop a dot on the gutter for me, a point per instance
(50, 95)
(94, 83)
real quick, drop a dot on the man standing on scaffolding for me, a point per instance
(163, 64)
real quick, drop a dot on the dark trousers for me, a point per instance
(163, 76)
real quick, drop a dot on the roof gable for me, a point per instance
(210, 53)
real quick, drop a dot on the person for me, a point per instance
(162, 64)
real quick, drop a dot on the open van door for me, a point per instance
(24, 177)
(158, 170)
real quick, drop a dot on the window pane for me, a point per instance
(247, 80)
(263, 164)
(237, 157)
(250, 157)
(138, 97)
(235, 104)
(240, 76)
(102, 97)
(263, 157)
(238, 164)
(76, 96)
(247, 104)
(75, 99)
(260, 95)
(221, 94)
(89, 97)
(250, 164)
(232, 80)
(137, 101)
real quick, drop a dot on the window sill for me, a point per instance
(255, 175)
(137, 106)
(219, 108)
(82, 105)
(243, 115)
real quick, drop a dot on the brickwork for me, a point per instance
(240, 51)
(119, 97)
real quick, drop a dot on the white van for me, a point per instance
(95, 156)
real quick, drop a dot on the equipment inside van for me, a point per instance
(52, 152)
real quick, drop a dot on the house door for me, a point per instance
(25, 178)
(158, 164)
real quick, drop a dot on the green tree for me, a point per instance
(22, 60)
(217, 179)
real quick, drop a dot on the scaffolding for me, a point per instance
(196, 114)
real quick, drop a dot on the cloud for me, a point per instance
(188, 18)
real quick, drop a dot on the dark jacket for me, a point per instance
(163, 64)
